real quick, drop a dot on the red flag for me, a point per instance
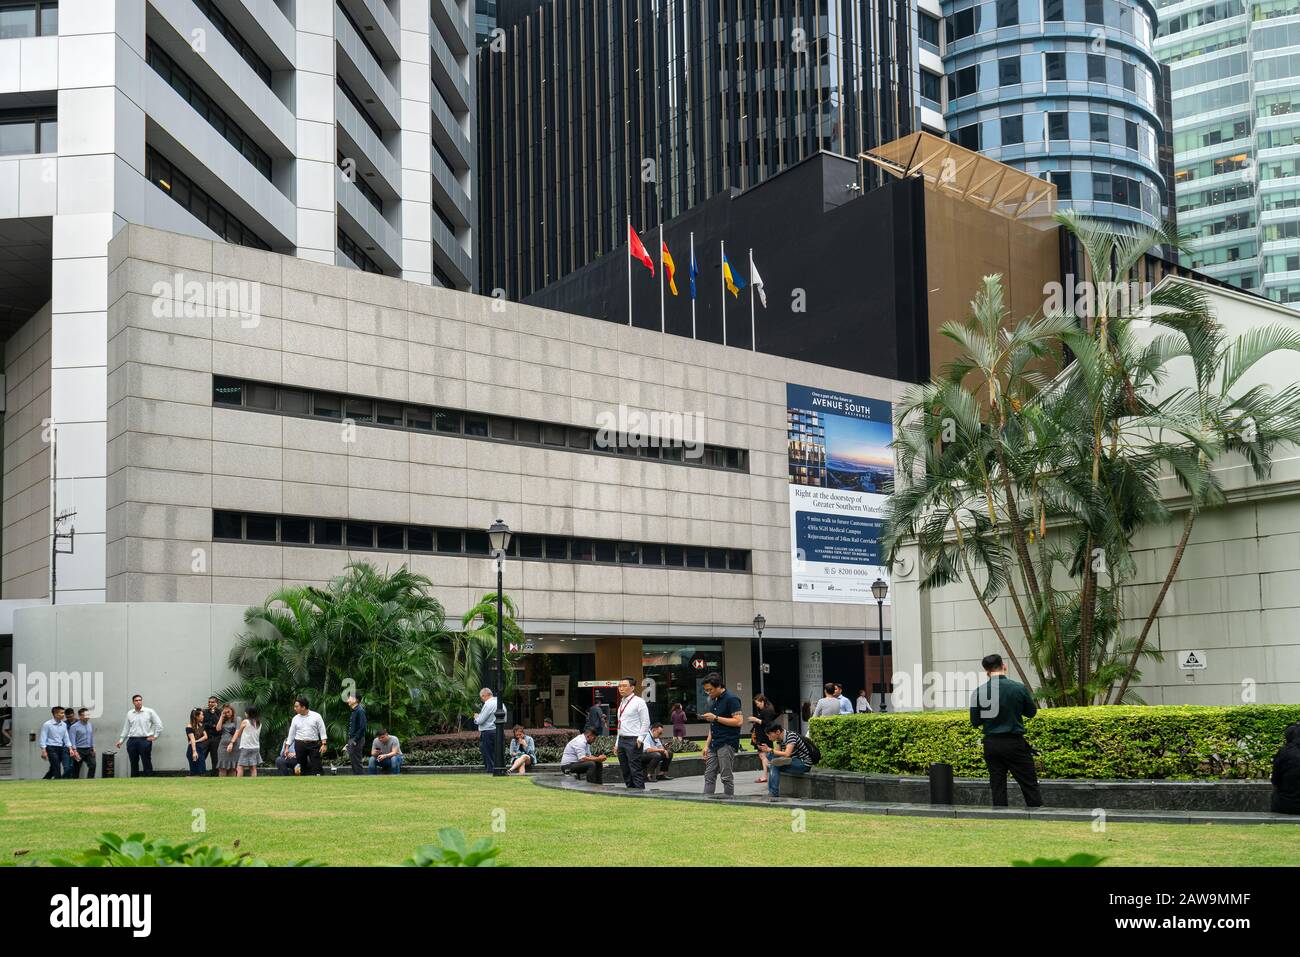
(638, 251)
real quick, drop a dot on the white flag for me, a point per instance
(757, 280)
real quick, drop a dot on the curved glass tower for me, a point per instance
(1063, 89)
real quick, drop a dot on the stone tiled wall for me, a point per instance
(173, 457)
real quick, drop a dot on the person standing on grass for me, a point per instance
(210, 718)
(81, 742)
(486, 722)
(54, 744)
(723, 742)
(764, 714)
(227, 725)
(196, 743)
(580, 762)
(386, 753)
(791, 753)
(523, 751)
(633, 723)
(307, 732)
(356, 743)
(69, 719)
(999, 708)
(678, 718)
(140, 729)
(247, 743)
(1286, 773)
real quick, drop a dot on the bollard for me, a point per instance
(941, 786)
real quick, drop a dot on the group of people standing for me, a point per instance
(232, 744)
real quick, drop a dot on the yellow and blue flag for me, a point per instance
(733, 282)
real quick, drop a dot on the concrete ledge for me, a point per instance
(1210, 796)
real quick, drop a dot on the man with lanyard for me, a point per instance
(724, 736)
(307, 732)
(211, 715)
(141, 727)
(633, 723)
(82, 738)
(356, 731)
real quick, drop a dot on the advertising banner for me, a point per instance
(841, 464)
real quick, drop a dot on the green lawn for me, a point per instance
(380, 820)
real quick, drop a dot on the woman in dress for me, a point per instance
(196, 743)
(764, 715)
(247, 744)
(678, 716)
(227, 725)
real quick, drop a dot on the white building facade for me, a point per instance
(338, 131)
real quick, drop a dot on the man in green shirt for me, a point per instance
(999, 707)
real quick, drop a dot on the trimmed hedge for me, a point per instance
(1172, 742)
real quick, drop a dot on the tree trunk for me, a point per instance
(988, 612)
(1155, 607)
(1086, 608)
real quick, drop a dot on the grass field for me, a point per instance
(346, 821)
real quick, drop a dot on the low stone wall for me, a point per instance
(1131, 795)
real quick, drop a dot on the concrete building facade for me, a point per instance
(337, 132)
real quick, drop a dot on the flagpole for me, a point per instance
(629, 270)
(753, 325)
(722, 271)
(663, 326)
(692, 279)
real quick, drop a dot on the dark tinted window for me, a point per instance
(260, 396)
(328, 532)
(476, 543)
(361, 535)
(605, 552)
(227, 525)
(530, 546)
(476, 425)
(529, 432)
(446, 421)
(1009, 71)
(674, 555)
(260, 528)
(582, 550)
(418, 417)
(419, 539)
(392, 537)
(557, 549)
(629, 553)
(329, 406)
(695, 558)
(361, 410)
(388, 413)
(295, 402)
(449, 540)
(295, 529)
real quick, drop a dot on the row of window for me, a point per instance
(356, 102)
(1223, 10)
(32, 18)
(236, 39)
(217, 118)
(163, 173)
(1057, 66)
(1217, 197)
(266, 397)
(1101, 129)
(24, 131)
(423, 539)
(1214, 167)
(1010, 13)
(349, 248)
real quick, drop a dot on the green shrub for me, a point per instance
(1174, 742)
(137, 851)
(451, 851)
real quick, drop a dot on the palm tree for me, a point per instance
(995, 451)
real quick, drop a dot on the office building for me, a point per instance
(1235, 74)
(337, 131)
(593, 113)
(1067, 90)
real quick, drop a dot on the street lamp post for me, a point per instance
(759, 622)
(880, 588)
(499, 538)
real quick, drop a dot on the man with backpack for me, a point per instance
(789, 750)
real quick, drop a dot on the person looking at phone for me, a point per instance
(723, 742)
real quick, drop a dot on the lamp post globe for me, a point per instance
(499, 539)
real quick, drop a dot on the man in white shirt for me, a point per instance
(486, 722)
(580, 762)
(307, 732)
(655, 754)
(864, 703)
(633, 723)
(141, 727)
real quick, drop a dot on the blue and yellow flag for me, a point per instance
(733, 282)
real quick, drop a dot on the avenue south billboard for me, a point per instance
(841, 464)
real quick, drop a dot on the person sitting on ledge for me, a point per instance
(386, 753)
(1286, 773)
(523, 751)
(580, 762)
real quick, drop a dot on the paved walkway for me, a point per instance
(750, 794)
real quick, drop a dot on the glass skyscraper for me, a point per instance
(1068, 90)
(597, 111)
(1235, 69)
